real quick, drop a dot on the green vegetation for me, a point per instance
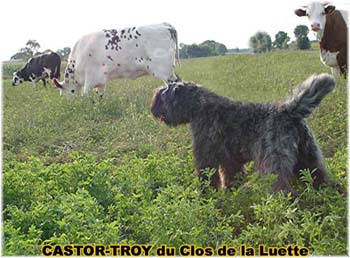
(106, 172)
(281, 40)
(204, 49)
(260, 42)
(301, 32)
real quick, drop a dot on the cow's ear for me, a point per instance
(300, 12)
(329, 8)
(57, 83)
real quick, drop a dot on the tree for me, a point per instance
(301, 32)
(281, 40)
(23, 54)
(31, 48)
(214, 47)
(206, 48)
(195, 50)
(33, 45)
(221, 49)
(260, 42)
(303, 43)
(183, 51)
(64, 53)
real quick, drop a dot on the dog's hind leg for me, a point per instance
(281, 163)
(311, 158)
(228, 171)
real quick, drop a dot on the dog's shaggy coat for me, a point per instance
(226, 133)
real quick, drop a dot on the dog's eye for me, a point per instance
(72, 91)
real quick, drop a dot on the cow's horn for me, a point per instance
(57, 83)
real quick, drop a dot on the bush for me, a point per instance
(80, 173)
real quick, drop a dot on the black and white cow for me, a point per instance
(38, 68)
(124, 53)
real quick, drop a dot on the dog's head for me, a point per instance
(176, 103)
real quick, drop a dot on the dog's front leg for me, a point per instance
(209, 175)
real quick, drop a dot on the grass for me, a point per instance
(131, 179)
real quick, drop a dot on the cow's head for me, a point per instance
(17, 78)
(66, 87)
(316, 12)
(69, 86)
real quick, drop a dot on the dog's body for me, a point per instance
(227, 134)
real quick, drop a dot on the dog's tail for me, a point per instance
(309, 95)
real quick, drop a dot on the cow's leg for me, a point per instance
(34, 83)
(85, 90)
(44, 82)
(88, 86)
(342, 61)
(47, 72)
(335, 70)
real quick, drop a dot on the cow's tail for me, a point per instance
(173, 34)
(308, 95)
(177, 49)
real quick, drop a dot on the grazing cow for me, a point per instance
(38, 68)
(330, 26)
(125, 53)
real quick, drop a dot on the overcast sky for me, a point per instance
(60, 23)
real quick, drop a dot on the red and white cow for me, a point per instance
(124, 53)
(330, 26)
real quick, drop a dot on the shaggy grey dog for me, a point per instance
(226, 133)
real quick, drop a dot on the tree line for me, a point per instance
(261, 41)
(206, 48)
(31, 49)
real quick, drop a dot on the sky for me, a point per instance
(59, 24)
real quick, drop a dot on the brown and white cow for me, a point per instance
(330, 26)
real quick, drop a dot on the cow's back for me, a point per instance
(335, 32)
(158, 36)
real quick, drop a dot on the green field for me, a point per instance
(80, 172)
